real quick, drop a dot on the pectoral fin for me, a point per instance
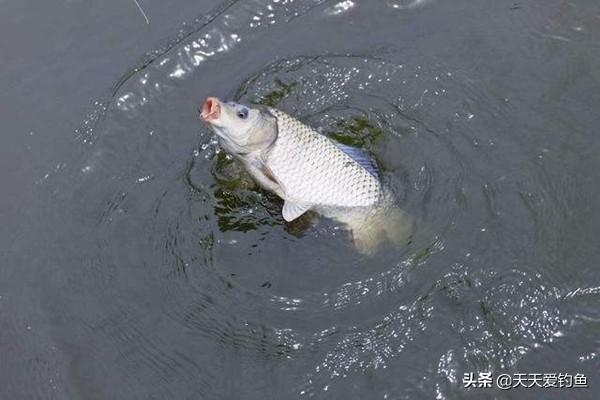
(291, 211)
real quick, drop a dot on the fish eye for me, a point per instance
(242, 113)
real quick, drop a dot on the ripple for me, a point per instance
(406, 4)
(218, 33)
(186, 271)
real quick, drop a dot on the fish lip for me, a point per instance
(211, 110)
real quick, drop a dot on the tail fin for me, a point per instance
(385, 224)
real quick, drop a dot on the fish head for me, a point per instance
(242, 129)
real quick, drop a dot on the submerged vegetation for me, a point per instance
(357, 132)
(423, 254)
(273, 98)
(237, 197)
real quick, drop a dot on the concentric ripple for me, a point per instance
(194, 281)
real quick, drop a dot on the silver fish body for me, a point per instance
(307, 169)
(312, 170)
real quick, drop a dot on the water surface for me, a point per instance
(148, 265)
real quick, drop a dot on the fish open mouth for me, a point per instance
(211, 109)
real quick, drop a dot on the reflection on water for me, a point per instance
(175, 276)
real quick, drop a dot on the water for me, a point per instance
(140, 261)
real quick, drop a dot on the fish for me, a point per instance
(309, 171)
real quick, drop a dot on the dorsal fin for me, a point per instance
(360, 157)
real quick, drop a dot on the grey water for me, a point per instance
(139, 261)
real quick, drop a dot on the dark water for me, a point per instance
(140, 262)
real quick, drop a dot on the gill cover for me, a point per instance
(263, 132)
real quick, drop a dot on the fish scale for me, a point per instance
(312, 170)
